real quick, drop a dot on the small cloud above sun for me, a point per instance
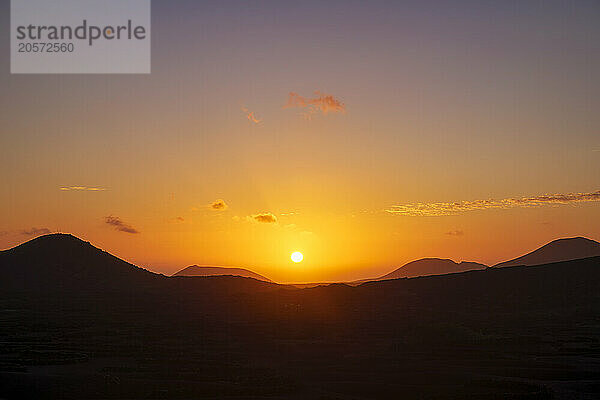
(297, 257)
(219, 205)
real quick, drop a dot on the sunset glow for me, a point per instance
(300, 199)
(297, 257)
(367, 135)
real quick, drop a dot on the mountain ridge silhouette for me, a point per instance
(67, 261)
(63, 262)
(563, 249)
(431, 266)
(206, 270)
(143, 335)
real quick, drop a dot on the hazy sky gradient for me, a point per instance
(445, 102)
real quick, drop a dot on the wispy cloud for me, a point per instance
(35, 231)
(120, 225)
(82, 188)
(455, 233)
(251, 116)
(266, 218)
(443, 209)
(322, 103)
(219, 205)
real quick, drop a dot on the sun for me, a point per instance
(297, 257)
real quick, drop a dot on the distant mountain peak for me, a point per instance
(55, 237)
(202, 270)
(53, 242)
(575, 239)
(61, 260)
(431, 266)
(563, 249)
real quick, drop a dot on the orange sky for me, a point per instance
(333, 122)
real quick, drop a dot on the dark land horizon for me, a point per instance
(328, 200)
(78, 322)
(560, 249)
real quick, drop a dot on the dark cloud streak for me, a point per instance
(35, 231)
(120, 225)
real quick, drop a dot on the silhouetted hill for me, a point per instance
(557, 250)
(428, 266)
(196, 270)
(523, 332)
(61, 260)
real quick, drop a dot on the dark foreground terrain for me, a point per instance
(76, 322)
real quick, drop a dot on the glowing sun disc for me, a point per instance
(296, 256)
